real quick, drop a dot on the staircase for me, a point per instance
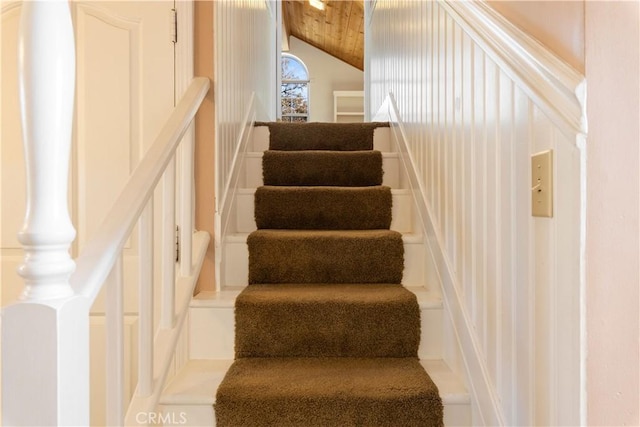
(348, 242)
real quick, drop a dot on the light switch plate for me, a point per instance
(542, 184)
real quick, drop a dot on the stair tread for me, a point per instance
(353, 293)
(322, 136)
(337, 234)
(325, 391)
(242, 237)
(322, 207)
(198, 381)
(427, 299)
(252, 190)
(317, 188)
(322, 167)
(389, 154)
(327, 320)
(325, 256)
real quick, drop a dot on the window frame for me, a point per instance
(306, 82)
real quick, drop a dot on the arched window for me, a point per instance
(294, 92)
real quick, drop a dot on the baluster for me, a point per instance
(186, 227)
(115, 345)
(168, 246)
(45, 335)
(145, 339)
(186, 149)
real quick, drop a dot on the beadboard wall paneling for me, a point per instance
(245, 64)
(472, 98)
(245, 89)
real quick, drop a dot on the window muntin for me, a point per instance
(294, 91)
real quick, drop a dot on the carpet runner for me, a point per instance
(325, 333)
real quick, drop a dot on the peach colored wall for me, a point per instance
(204, 151)
(613, 233)
(557, 24)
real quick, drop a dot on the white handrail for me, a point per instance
(100, 253)
(226, 180)
(228, 169)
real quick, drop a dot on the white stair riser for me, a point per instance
(211, 333)
(382, 140)
(401, 213)
(184, 415)
(235, 264)
(458, 415)
(455, 414)
(260, 139)
(251, 175)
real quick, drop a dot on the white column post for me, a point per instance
(45, 335)
(47, 81)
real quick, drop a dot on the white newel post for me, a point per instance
(45, 335)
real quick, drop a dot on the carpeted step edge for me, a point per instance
(349, 256)
(198, 381)
(321, 136)
(328, 391)
(327, 320)
(323, 208)
(329, 168)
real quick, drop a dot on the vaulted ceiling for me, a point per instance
(337, 30)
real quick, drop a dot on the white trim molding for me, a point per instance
(553, 85)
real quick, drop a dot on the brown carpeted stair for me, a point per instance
(321, 136)
(325, 256)
(327, 320)
(322, 167)
(325, 333)
(330, 392)
(323, 208)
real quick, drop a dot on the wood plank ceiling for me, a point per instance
(338, 30)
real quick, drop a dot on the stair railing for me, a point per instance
(230, 155)
(45, 334)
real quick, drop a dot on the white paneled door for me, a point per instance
(124, 93)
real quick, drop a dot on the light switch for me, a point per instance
(542, 184)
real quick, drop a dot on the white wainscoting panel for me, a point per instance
(472, 99)
(245, 87)
(245, 64)
(98, 365)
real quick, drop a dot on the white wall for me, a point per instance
(613, 232)
(512, 283)
(245, 87)
(244, 67)
(327, 74)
